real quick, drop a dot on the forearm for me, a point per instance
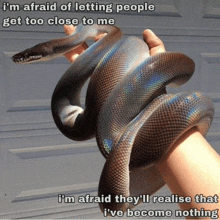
(191, 168)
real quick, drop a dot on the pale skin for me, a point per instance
(192, 166)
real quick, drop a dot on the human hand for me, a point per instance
(71, 55)
(154, 43)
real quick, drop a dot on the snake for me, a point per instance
(135, 121)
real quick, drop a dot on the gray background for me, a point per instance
(36, 162)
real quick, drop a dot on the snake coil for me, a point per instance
(127, 108)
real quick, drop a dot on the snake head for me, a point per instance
(40, 52)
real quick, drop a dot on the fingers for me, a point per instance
(71, 56)
(69, 29)
(154, 43)
(100, 36)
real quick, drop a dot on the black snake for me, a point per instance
(127, 108)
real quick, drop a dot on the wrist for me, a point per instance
(192, 167)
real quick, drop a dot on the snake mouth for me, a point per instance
(39, 52)
(30, 55)
(23, 58)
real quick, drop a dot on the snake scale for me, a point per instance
(127, 108)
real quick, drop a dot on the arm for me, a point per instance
(192, 166)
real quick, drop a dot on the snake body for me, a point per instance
(127, 108)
